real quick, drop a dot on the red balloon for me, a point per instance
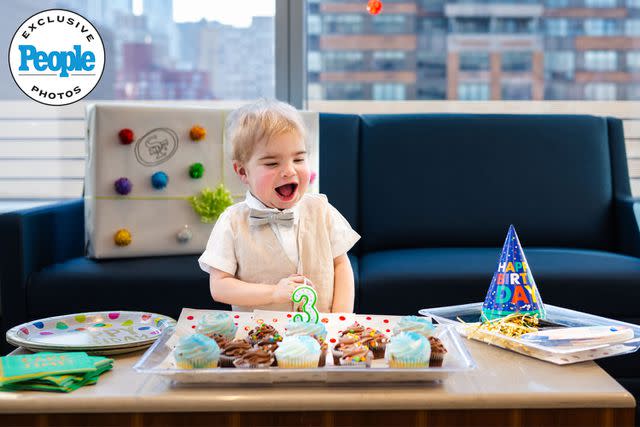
(374, 7)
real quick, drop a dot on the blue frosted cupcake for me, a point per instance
(217, 324)
(316, 330)
(419, 324)
(196, 351)
(408, 350)
(299, 351)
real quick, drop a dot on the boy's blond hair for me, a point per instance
(259, 121)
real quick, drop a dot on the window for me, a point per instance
(600, 27)
(557, 3)
(600, 60)
(516, 61)
(633, 61)
(633, 3)
(474, 61)
(600, 3)
(632, 27)
(343, 61)
(473, 91)
(516, 91)
(389, 60)
(388, 91)
(344, 91)
(600, 91)
(390, 24)
(557, 27)
(514, 25)
(559, 65)
(342, 24)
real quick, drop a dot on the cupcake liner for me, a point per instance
(360, 364)
(378, 351)
(227, 361)
(415, 363)
(323, 359)
(337, 354)
(300, 362)
(436, 360)
(197, 363)
(246, 365)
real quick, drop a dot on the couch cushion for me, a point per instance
(460, 180)
(164, 285)
(404, 281)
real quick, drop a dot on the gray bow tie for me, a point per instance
(258, 217)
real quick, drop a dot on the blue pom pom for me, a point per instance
(159, 180)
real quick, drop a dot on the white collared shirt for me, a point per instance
(287, 236)
(220, 251)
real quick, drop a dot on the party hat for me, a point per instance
(512, 289)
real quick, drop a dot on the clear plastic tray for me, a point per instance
(158, 360)
(465, 320)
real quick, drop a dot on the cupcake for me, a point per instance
(299, 351)
(376, 341)
(316, 330)
(323, 352)
(269, 344)
(254, 358)
(355, 328)
(259, 332)
(345, 341)
(217, 323)
(357, 356)
(408, 350)
(437, 352)
(196, 351)
(421, 325)
(232, 351)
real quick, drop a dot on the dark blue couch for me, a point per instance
(432, 196)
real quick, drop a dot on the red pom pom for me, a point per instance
(126, 136)
(374, 7)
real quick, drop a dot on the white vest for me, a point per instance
(261, 258)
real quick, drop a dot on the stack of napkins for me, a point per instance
(63, 372)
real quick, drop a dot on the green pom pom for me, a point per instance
(210, 204)
(196, 170)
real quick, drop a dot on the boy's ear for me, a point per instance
(240, 171)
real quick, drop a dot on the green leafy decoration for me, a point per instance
(210, 204)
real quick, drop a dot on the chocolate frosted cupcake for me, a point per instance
(232, 351)
(269, 344)
(254, 358)
(221, 340)
(344, 342)
(357, 356)
(355, 328)
(376, 341)
(259, 332)
(437, 352)
(323, 352)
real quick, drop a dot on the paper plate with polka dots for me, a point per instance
(104, 332)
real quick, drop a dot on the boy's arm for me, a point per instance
(343, 287)
(227, 289)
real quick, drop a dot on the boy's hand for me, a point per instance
(285, 287)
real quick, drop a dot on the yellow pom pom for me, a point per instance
(197, 133)
(122, 237)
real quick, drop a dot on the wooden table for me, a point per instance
(506, 389)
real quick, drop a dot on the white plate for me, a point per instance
(106, 332)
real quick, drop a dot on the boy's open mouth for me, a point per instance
(287, 191)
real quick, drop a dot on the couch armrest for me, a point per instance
(628, 221)
(31, 240)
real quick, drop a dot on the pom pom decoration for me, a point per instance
(196, 170)
(159, 180)
(126, 136)
(123, 186)
(122, 237)
(184, 235)
(197, 133)
(374, 7)
(513, 289)
(210, 204)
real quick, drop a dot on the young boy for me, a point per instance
(279, 237)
